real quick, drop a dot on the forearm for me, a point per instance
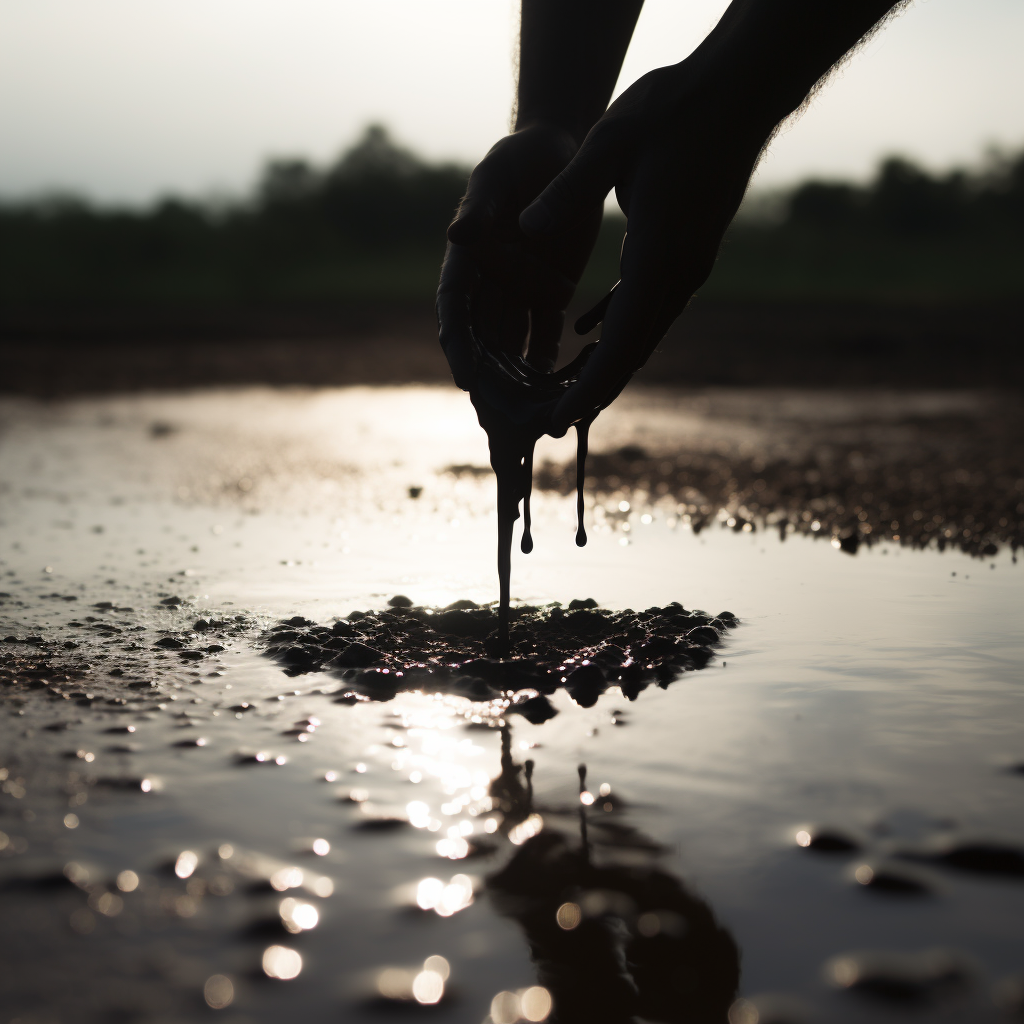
(769, 54)
(571, 52)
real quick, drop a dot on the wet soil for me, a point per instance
(454, 649)
(939, 478)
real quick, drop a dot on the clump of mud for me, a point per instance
(583, 648)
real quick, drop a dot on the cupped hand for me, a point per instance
(679, 158)
(499, 287)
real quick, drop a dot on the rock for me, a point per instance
(170, 643)
(849, 543)
(400, 601)
(896, 879)
(703, 635)
(826, 840)
(458, 622)
(579, 603)
(356, 655)
(585, 684)
(534, 709)
(585, 622)
(982, 858)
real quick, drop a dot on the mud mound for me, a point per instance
(582, 647)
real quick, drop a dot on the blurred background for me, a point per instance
(237, 192)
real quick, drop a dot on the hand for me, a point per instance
(498, 287)
(679, 156)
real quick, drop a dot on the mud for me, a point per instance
(939, 478)
(460, 649)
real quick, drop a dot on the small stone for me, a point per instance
(170, 643)
(826, 840)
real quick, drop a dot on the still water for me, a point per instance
(822, 824)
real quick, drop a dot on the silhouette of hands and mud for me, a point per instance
(679, 147)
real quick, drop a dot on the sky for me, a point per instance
(126, 100)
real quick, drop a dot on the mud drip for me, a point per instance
(526, 545)
(512, 462)
(514, 404)
(582, 445)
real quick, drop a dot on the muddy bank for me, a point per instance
(923, 477)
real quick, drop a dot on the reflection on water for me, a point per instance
(613, 935)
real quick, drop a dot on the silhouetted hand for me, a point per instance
(679, 156)
(508, 290)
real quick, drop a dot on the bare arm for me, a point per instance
(679, 147)
(570, 55)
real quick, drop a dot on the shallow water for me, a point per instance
(877, 695)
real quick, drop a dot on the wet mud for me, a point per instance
(460, 649)
(951, 478)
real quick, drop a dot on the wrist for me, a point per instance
(714, 87)
(572, 129)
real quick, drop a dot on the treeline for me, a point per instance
(370, 227)
(905, 235)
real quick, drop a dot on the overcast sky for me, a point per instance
(123, 100)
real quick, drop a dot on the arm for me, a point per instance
(496, 283)
(679, 147)
(570, 55)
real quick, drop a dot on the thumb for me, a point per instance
(570, 197)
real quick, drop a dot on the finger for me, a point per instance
(589, 320)
(486, 194)
(574, 193)
(531, 278)
(642, 308)
(454, 306)
(500, 322)
(545, 334)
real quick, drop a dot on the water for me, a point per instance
(877, 695)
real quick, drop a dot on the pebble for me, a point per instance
(823, 839)
(895, 879)
(979, 857)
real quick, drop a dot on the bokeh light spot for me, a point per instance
(219, 992)
(281, 962)
(568, 916)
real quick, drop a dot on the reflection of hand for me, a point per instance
(679, 161)
(508, 290)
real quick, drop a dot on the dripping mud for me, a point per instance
(512, 462)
